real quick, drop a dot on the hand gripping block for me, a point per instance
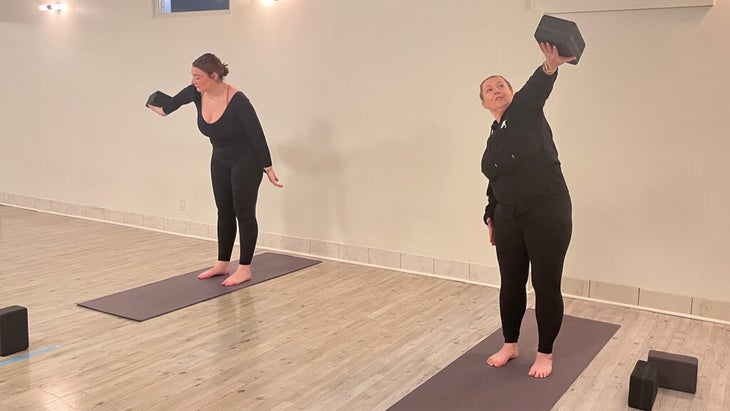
(158, 99)
(13, 329)
(675, 372)
(563, 34)
(643, 386)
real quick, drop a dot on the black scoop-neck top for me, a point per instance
(238, 126)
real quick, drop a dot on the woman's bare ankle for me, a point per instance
(508, 352)
(241, 275)
(542, 367)
(219, 268)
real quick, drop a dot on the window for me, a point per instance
(182, 6)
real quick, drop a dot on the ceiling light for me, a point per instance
(54, 7)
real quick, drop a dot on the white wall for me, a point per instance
(373, 119)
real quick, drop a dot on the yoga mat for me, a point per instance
(469, 383)
(161, 297)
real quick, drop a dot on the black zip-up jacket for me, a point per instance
(521, 160)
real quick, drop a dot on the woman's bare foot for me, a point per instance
(542, 367)
(501, 357)
(242, 274)
(220, 268)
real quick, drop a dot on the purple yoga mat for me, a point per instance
(161, 297)
(468, 383)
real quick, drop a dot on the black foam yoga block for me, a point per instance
(158, 99)
(675, 371)
(643, 386)
(563, 34)
(13, 329)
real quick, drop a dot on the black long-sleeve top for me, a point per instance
(238, 126)
(521, 160)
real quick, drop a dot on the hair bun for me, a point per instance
(210, 63)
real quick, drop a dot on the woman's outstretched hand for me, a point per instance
(552, 58)
(272, 177)
(157, 110)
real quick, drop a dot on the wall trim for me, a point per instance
(275, 242)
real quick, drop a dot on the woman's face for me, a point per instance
(496, 94)
(201, 80)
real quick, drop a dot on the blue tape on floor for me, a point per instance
(30, 354)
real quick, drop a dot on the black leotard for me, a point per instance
(240, 154)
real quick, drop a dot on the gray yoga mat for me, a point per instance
(161, 297)
(468, 383)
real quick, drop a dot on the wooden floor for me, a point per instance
(332, 337)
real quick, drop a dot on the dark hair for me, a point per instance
(210, 64)
(481, 96)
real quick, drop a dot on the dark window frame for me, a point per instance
(172, 7)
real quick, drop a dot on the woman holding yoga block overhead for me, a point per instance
(239, 160)
(529, 212)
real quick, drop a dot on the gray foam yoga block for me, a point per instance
(675, 371)
(643, 386)
(563, 34)
(158, 99)
(13, 329)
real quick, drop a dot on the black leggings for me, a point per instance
(235, 187)
(539, 238)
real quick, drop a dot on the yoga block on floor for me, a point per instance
(643, 386)
(13, 329)
(675, 371)
(563, 34)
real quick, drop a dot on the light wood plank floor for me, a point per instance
(335, 336)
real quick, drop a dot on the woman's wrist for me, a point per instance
(547, 69)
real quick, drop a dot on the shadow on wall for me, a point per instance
(394, 186)
(315, 163)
